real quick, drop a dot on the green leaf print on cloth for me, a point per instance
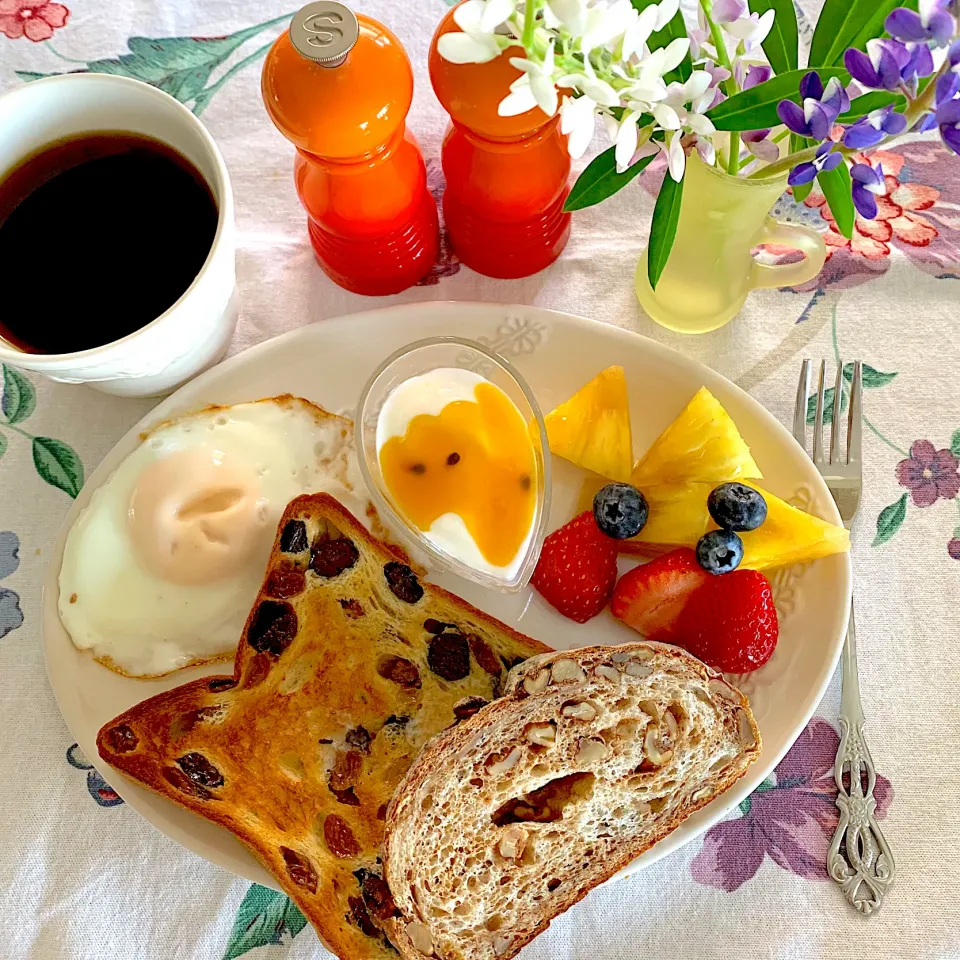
(889, 521)
(180, 66)
(19, 398)
(264, 917)
(55, 461)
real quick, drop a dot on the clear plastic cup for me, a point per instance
(414, 360)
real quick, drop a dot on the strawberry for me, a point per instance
(577, 568)
(730, 622)
(651, 597)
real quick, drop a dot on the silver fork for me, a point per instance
(859, 858)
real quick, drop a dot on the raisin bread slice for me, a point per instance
(347, 665)
(511, 817)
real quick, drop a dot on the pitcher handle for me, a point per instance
(807, 241)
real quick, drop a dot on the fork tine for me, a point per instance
(855, 418)
(818, 421)
(800, 409)
(835, 422)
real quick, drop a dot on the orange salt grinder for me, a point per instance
(338, 85)
(506, 176)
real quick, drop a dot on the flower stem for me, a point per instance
(57, 53)
(867, 423)
(16, 429)
(729, 85)
(529, 23)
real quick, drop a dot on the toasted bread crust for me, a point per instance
(298, 753)
(463, 792)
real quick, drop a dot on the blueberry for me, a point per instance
(719, 551)
(735, 506)
(620, 510)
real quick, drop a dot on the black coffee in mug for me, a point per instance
(100, 234)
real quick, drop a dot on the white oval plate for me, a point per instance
(328, 362)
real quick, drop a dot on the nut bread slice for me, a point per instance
(509, 818)
(347, 665)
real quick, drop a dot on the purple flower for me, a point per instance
(726, 11)
(880, 67)
(953, 548)
(874, 127)
(947, 86)
(948, 120)
(825, 159)
(953, 53)
(868, 182)
(920, 63)
(929, 474)
(756, 73)
(790, 821)
(931, 23)
(820, 109)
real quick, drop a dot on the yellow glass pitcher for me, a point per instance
(711, 269)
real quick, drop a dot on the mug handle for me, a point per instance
(807, 241)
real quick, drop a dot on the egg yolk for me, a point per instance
(473, 459)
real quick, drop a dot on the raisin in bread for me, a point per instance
(347, 665)
(591, 757)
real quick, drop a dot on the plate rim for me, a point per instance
(718, 809)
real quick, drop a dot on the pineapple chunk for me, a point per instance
(592, 429)
(702, 444)
(679, 517)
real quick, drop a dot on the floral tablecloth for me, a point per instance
(82, 876)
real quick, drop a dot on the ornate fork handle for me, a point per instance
(859, 858)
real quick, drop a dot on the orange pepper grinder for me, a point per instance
(338, 85)
(506, 176)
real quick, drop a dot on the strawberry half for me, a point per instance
(577, 569)
(730, 622)
(651, 597)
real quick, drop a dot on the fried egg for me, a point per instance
(161, 567)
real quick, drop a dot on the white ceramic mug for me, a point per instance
(194, 333)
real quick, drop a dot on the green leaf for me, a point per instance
(802, 191)
(180, 66)
(889, 521)
(3, 444)
(601, 180)
(781, 44)
(828, 401)
(674, 30)
(862, 105)
(262, 918)
(955, 443)
(19, 396)
(870, 375)
(837, 187)
(848, 23)
(58, 464)
(756, 108)
(663, 230)
(28, 75)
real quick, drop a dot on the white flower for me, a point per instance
(676, 158)
(605, 24)
(629, 138)
(533, 89)
(474, 44)
(571, 14)
(590, 84)
(752, 29)
(637, 34)
(577, 119)
(497, 12)
(665, 59)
